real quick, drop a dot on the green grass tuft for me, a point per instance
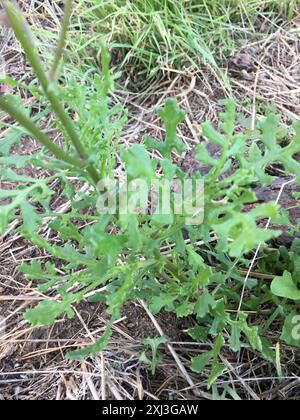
(148, 35)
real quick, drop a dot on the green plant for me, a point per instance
(153, 34)
(123, 252)
(156, 359)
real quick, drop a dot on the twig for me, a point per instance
(90, 383)
(103, 378)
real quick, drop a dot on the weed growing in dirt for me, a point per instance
(119, 257)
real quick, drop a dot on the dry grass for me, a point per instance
(32, 364)
(276, 80)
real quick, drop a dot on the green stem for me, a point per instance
(25, 122)
(23, 34)
(62, 38)
(111, 274)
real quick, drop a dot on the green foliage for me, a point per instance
(212, 357)
(48, 311)
(156, 359)
(123, 252)
(285, 287)
(171, 116)
(93, 349)
(151, 35)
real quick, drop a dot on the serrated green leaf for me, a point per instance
(97, 297)
(12, 137)
(169, 169)
(199, 363)
(135, 237)
(116, 299)
(228, 119)
(195, 260)
(285, 287)
(254, 153)
(47, 311)
(35, 271)
(184, 310)
(203, 156)
(102, 242)
(154, 343)
(269, 128)
(31, 219)
(203, 305)
(217, 370)
(160, 302)
(252, 333)
(242, 229)
(66, 229)
(218, 345)
(93, 349)
(199, 333)
(212, 135)
(15, 161)
(10, 175)
(138, 163)
(172, 116)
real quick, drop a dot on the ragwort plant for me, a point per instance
(124, 252)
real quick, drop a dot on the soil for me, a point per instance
(190, 165)
(287, 202)
(242, 62)
(139, 326)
